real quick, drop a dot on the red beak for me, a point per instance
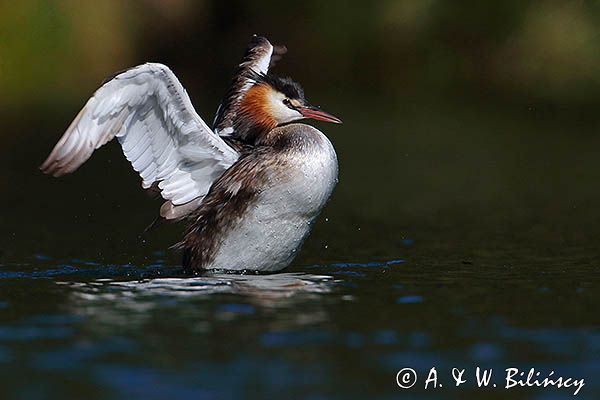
(316, 113)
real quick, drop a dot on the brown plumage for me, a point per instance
(226, 203)
(254, 117)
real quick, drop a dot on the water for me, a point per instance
(469, 239)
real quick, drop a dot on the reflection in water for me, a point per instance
(121, 326)
(133, 302)
(275, 286)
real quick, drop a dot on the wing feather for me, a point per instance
(259, 56)
(160, 133)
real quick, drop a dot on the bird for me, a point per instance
(248, 190)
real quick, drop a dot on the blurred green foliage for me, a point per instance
(461, 118)
(521, 51)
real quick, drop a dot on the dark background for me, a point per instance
(469, 149)
(472, 118)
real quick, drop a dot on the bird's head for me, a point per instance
(274, 101)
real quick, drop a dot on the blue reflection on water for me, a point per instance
(295, 339)
(240, 309)
(413, 299)
(385, 337)
(30, 333)
(79, 354)
(121, 326)
(368, 264)
(54, 268)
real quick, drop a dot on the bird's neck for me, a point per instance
(254, 118)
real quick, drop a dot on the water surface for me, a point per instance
(465, 239)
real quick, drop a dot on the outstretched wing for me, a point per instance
(161, 134)
(260, 55)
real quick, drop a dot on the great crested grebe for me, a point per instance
(250, 189)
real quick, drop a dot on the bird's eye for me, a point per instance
(288, 103)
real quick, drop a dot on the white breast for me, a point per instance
(272, 231)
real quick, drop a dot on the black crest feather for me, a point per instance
(285, 85)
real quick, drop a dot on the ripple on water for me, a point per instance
(296, 339)
(368, 264)
(48, 267)
(30, 333)
(41, 327)
(411, 299)
(238, 309)
(128, 302)
(77, 355)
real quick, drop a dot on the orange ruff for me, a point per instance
(255, 106)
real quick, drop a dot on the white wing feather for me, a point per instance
(161, 134)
